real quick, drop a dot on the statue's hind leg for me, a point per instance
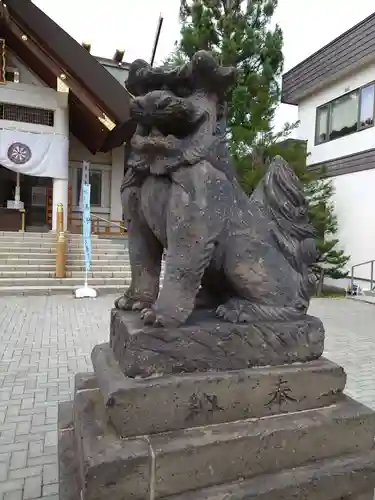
(261, 291)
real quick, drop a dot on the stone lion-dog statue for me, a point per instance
(250, 257)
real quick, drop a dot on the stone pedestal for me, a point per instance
(267, 433)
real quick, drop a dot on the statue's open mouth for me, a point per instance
(162, 114)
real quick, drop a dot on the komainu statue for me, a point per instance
(246, 258)
(185, 403)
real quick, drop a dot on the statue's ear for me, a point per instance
(226, 77)
(206, 72)
(137, 75)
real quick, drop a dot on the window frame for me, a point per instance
(78, 186)
(329, 114)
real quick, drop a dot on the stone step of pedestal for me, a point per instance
(176, 462)
(158, 404)
(351, 477)
(346, 478)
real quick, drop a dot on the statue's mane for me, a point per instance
(202, 72)
(282, 195)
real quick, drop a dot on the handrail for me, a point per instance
(363, 264)
(109, 221)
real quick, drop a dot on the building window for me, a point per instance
(347, 114)
(12, 75)
(366, 117)
(96, 187)
(26, 114)
(322, 124)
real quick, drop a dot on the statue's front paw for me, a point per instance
(129, 304)
(152, 318)
(124, 303)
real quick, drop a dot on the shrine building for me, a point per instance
(59, 106)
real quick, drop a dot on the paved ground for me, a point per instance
(44, 341)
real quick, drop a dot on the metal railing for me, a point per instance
(371, 262)
(108, 223)
(99, 225)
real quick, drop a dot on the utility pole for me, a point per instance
(156, 42)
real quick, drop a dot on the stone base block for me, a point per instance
(158, 404)
(206, 344)
(261, 456)
(326, 480)
(69, 487)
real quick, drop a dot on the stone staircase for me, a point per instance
(27, 264)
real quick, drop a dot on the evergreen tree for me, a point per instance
(238, 33)
(319, 193)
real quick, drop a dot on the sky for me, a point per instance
(131, 25)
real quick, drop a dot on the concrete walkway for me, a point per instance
(44, 341)
(350, 342)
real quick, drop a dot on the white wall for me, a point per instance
(112, 169)
(78, 152)
(354, 202)
(353, 143)
(26, 76)
(30, 91)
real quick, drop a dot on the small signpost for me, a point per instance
(86, 291)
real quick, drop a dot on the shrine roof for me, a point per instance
(98, 103)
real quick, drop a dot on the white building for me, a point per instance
(59, 106)
(334, 90)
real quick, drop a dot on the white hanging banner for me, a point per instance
(85, 180)
(41, 155)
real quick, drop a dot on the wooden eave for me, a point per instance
(50, 52)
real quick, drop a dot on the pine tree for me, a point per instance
(238, 33)
(319, 193)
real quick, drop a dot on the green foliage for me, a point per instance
(320, 193)
(239, 34)
(176, 58)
